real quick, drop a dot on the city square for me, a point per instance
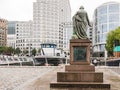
(60, 47)
(35, 78)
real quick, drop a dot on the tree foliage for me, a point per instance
(17, 51)
(34, 52)
(2, 49)
(111, 37)
(10, 50)
(39, 51)
(6, 50)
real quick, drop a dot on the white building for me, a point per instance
(47, 26)
(89, 31)
(24, 35)
(106, 18)
(67, 35)
(11, 41)
(48, 19)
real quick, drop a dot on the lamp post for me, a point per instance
(29, 47)
(98, 40)
(105, 58)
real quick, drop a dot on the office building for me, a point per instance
(67, 35)
(11, 34)
(3, 32)
(48, 19)
(106, 18)
(23, 36)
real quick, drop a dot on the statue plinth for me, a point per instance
(80, 52)
(79, 75)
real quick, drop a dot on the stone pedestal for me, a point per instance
(79, 75)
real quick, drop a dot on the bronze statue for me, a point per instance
(80, 23)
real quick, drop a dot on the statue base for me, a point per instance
(80, 51)
(79, 75)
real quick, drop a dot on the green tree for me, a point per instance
(39, 51)
(6, 50)
(17, 51)
(111, 37)
(3, 49)
(34, 52)
(10, 50)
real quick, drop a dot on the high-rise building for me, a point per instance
(23, 37)
(90, 31)
(106, 18)
(3, 32)
(11, 34)
(67, 35)
(48, 19)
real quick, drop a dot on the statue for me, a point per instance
(80, 24)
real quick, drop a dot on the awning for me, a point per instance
(117, 49)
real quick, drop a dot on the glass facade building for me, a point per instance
(11, 33)
(106, 18)
(11, 27)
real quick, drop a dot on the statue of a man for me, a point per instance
(80, 23)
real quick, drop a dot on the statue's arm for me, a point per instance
(73, 19)
(78, 18)
(88, 20)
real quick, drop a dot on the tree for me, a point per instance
(34, 52)
(6, 50)
(39, 51)
(3, 49)
(10, 50)
(17, 51)
(111, 37)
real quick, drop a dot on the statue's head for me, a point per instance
(81, 7)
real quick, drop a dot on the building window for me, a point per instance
(113, 8)
(114, 18)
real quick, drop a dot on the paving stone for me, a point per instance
(39, 77)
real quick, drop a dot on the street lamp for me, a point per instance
(29, 48)
(105, 56)
(98, 40)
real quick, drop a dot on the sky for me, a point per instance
(22, 10)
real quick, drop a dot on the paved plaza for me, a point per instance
(39, 77)
(111, 75)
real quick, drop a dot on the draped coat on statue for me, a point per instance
(80, 24)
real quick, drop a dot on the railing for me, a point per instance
(10, 60)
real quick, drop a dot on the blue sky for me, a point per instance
(22, 10)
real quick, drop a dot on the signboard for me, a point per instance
(79, 53)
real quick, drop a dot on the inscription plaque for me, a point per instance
(79, 53)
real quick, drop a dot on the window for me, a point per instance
(102, 47)
(114, 8)
(103, 19)
(103, 28)
(102, 10)
(103, 37)
(113, 26)
(114, 18)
